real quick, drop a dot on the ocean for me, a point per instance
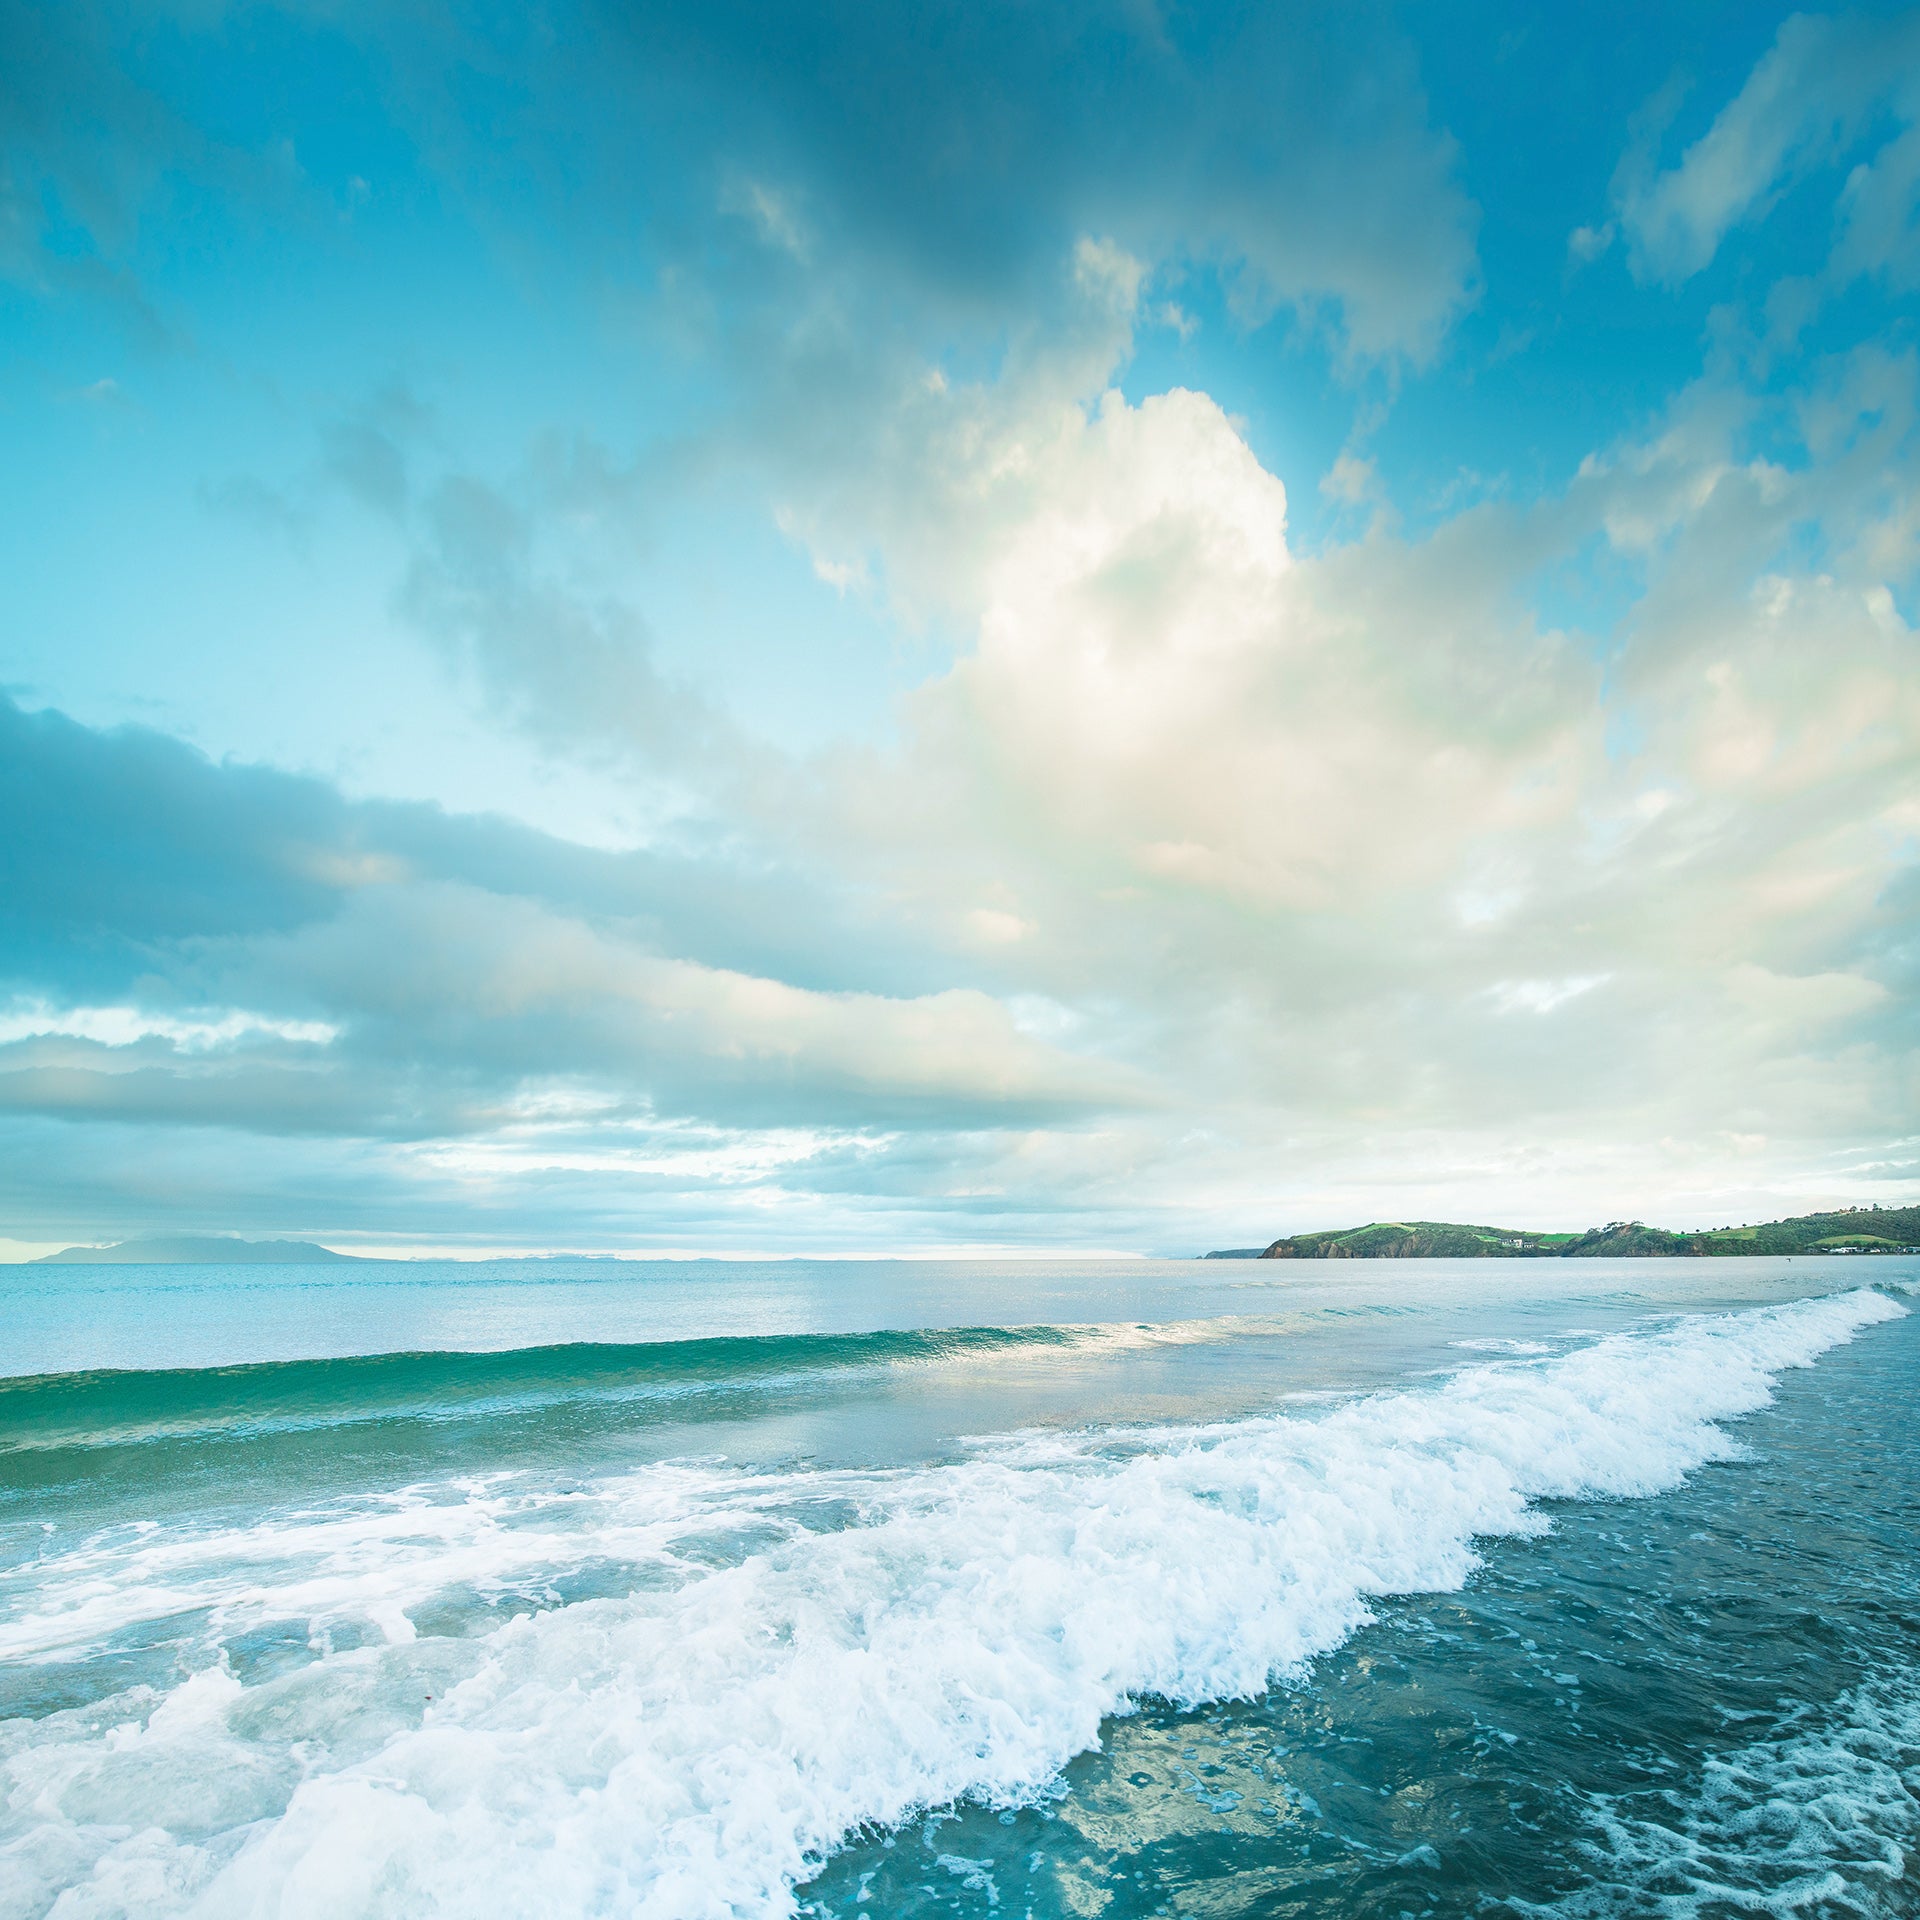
(1012, 1589)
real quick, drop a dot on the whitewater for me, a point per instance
(694, 1628)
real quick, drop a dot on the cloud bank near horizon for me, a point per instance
(1068, 631)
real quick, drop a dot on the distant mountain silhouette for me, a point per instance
(197, 1250)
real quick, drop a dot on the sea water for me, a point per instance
(1117, 1589)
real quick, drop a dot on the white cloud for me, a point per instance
(643, 1148)
(1203, 868)
(1542, 996)
(1878, 205)
(1345, 843)
(201, 1031)
(1176, 319)
(996, 927)
(1587, 244)
(546, 1000)
(1351, 479)
(1237, 859)
(1157, 680)
(1806, 100)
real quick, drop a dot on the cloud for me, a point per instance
(801, 216)
(1810, 96)
(458, 982)
(284, 960)
(118, 842)
(1207, 865)
(124, 1026)
(564, 665)
(1587, 244)
(961, 149)
(1309, 831)
(1879, 231)
(1167, 689)
(1542, 996)
(1351, 479)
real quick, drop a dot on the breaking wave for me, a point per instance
(674, 1691)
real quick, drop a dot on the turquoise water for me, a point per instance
(1126, 1588)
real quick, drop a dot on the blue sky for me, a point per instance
(852, 628)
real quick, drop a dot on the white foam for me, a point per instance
(807, 1653)
(1821, 1818)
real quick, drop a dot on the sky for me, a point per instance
(831, 627)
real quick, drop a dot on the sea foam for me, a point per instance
(1821, 1817)
(768, 1662)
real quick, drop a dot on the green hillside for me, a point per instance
(1856, 1229)
(1416, 1240)
(1853, 1230)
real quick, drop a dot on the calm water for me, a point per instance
(1048, 1589)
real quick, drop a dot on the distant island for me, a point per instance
(1852, 1230)
(198, 1250)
